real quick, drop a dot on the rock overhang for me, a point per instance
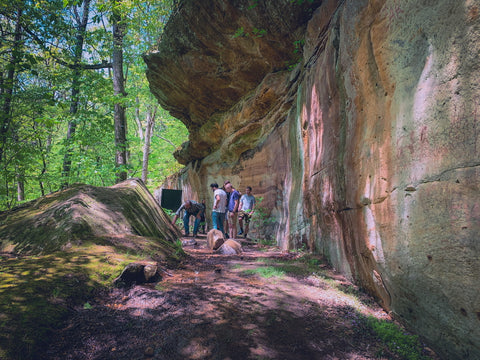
(214, 54)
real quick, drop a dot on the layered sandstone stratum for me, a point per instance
(357, 122)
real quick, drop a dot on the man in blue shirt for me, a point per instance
(232, 210)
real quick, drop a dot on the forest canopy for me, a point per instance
(75, 103)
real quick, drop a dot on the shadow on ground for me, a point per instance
(216, 307)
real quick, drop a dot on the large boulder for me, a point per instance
(230, 247)
(367, 151)
(137, 273)
(123, 215)
(215, 239)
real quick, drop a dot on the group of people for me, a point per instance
(229, 209)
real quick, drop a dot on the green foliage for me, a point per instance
(262, 214)
(179, 249)
(397, 341)
(298, 44)
(259, 32)
(253, 5)
(35, 145)
(171, 214)
(297, 51)
(264, 223)
(256, 33)
(240, 32)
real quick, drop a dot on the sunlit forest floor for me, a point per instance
(263, 304)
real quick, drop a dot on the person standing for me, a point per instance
(232, 210)
(203, 223)
(225, 223)
(247, 207)
(191, 208)
(219, 205)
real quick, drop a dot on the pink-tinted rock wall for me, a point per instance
(366, 152)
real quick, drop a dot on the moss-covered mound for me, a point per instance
(116, 214)
(59, 251)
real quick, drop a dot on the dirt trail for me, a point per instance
(217, 307)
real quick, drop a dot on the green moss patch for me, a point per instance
(302, 265)
(60, 220)
(37, 293)
(266, 272)
(395, 339)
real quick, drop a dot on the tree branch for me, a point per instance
(103, 65)
(168, 141)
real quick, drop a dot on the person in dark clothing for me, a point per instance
(191, 208)
(203, 221)
(225, 224)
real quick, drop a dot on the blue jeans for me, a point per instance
(218, 218)
(186, 224)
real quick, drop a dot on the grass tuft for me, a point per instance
(266, 272)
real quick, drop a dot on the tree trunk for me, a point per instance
(119, 118)
(8, 85)
(137, 118)
(72, 125)
(77, 73)
(20, 187)
(146, 146)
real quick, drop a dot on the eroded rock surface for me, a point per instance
(367, 151)
(215, 239)
(230, 247)
(137, 273)
(213, 55)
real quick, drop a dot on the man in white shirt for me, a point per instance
(247, 207)
(219, 206)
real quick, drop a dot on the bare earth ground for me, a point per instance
(211, 308)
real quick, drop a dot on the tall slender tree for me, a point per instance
(81, 25)
(151, 114)
(8, 82)
(120, 121)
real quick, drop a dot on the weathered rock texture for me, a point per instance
(367, 151)
(137, 273)
(230, 247)
(125, 215)
(215, 239)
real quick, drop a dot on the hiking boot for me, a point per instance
(240, 232)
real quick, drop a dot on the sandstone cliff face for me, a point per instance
(366, 151)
